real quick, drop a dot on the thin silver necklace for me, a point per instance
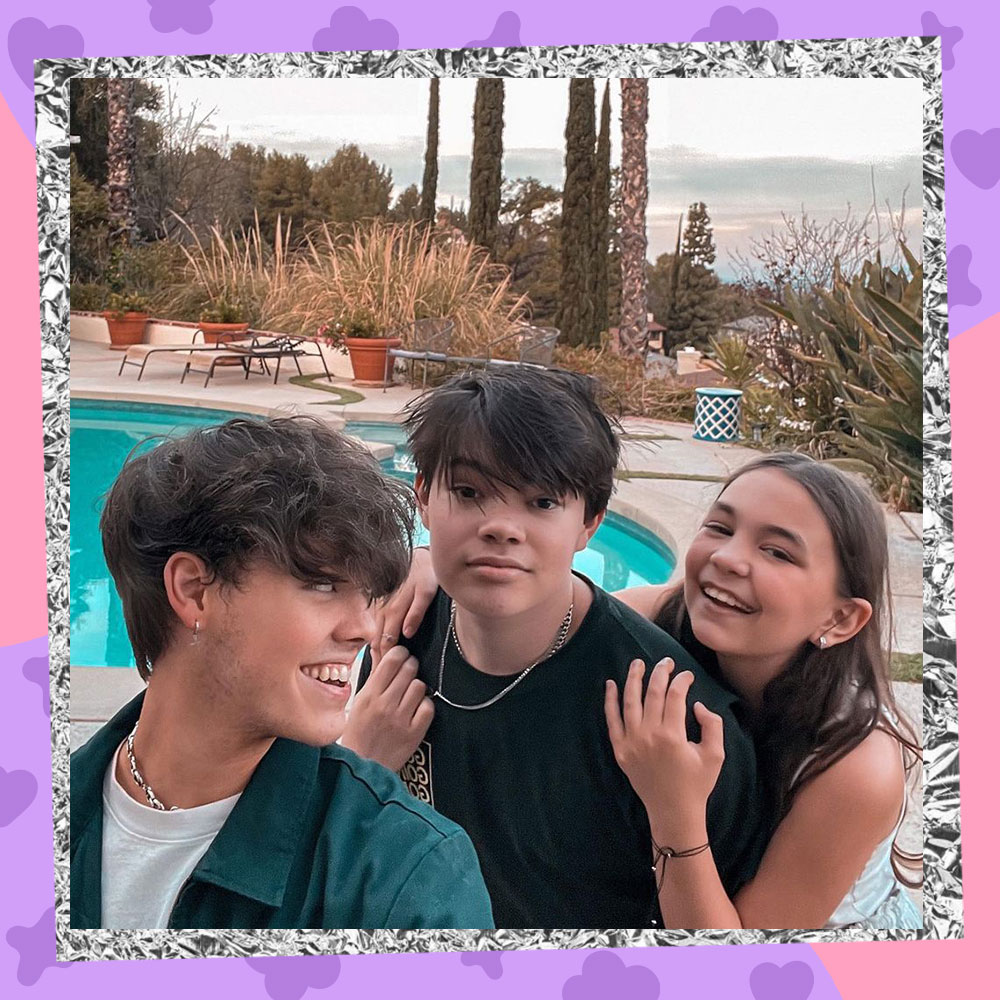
(557, 644)
(137, 776)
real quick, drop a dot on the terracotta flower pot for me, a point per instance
(368, 356)
(211, 331)
(126, 329)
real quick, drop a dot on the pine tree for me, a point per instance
(601, 218)
(694, 315)
(350, 187)
(487, 156)
(576, 284)
(428, 194)
(699, 247)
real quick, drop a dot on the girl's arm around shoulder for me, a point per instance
(821, 847)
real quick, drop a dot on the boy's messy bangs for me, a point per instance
(508, 449)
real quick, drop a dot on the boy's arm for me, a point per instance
(391, 712)
(445, 890)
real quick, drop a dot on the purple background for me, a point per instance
(46, 28)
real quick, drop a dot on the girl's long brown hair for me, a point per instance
(825, 702)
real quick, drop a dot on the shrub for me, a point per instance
(869, 362)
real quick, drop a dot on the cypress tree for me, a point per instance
(487, 154)
(601, 220)
(428, 193)
(576, 287)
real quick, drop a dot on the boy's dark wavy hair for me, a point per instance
(289, 492)
(825, 702)
(523, 427)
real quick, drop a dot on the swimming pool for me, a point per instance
(621, 553)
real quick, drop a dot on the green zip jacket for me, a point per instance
(319, 838)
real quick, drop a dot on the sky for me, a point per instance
(751, 149)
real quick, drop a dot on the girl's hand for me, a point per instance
(407, 606)
(672, 776)
(391, 713)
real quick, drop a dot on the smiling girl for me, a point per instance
(785, 600)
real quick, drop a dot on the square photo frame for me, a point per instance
(915, 58)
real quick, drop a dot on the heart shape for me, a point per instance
(36, 670)
(977, 155)
(961, 290)
(793, 981)
(17, 791)
(30, 39)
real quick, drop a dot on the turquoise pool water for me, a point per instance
(102, 434)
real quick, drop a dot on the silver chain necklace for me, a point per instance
(137, 776)
(557, 644)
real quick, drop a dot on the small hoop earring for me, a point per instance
(194, 632)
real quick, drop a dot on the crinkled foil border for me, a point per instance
(886, 57)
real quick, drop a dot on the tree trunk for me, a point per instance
(121, 161)
(633, 330)
(601, 221)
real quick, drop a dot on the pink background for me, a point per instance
(856, 970)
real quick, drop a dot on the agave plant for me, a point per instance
(734, 358)
(870, 336)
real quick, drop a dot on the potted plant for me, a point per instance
(221, 317)
(360, 332)
(126, 316)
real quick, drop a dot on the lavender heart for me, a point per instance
(350, 28)
(506, 32)
(606, 975)
(488, 961)
(977, 155)
(30, 39)
(930, 25)
(793, 981)
(36, 670)
(961, 290)
(17, 791)
(36, 948)
(289, 978)
(730, 24)
(192, 16)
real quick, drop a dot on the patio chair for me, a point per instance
(429, 342)
(536, 345)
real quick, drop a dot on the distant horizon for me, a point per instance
(711, 140)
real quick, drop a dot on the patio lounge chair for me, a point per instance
(429, 342)
(137, 355)
(260, 349)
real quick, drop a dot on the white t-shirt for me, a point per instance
(147, 854)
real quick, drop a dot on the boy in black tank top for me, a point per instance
(515, 471)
